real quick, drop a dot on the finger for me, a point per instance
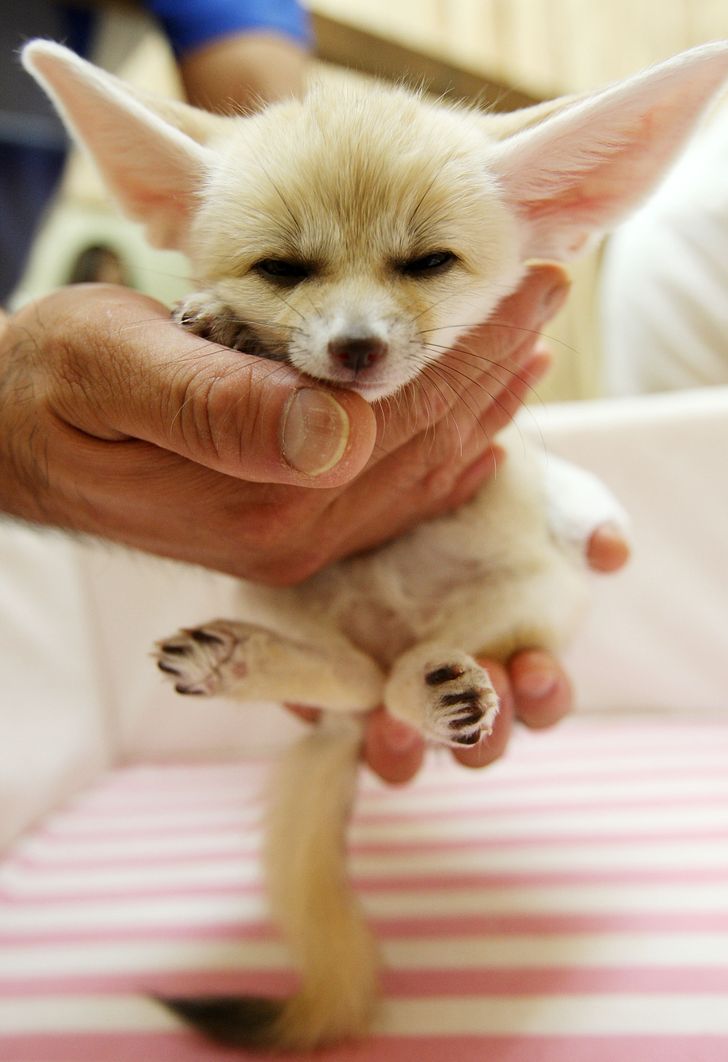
(541, 689)
(400, 492)
(486, 383)
(392, 749)
(470, 481)
(607, 549)
(479, 470)
(158, 502)
(308, 715)
(493, 354)
(139, 375)
(399, 495)
(491, 748)
(467, 378)
(538, 299)
(513, 395)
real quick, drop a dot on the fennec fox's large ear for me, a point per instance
(148, 154)
(585, 167)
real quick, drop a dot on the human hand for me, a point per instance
(532, 688)
(115, 422)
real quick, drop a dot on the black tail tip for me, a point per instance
(248, 1022)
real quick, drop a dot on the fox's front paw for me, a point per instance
(198, 659)
(203, 314)
(461, 704)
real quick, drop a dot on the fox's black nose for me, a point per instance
(357, 352)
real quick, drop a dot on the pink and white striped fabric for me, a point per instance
(570, 903)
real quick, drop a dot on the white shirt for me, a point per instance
(664, 296)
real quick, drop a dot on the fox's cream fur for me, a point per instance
(338, 233)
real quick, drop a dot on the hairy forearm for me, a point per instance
(33, 486)
(18, 471)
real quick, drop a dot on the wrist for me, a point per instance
(19, 491)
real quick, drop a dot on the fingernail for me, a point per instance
(538, 681)
(400, 737)
(608, 548)
(315, 431)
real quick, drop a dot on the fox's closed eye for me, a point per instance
(427, 265)
(284, 270)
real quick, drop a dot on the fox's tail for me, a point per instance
(313, 904)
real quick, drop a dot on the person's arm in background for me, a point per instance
(237, 55)
(245, 70)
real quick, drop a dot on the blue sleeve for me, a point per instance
(191, 24)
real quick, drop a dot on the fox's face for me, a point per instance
(360, 240)
(357, 233)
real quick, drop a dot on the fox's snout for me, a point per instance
(357, 352)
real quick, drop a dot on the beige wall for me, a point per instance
(547, 47)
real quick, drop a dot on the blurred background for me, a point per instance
(502, 53)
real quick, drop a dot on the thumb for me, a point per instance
(146, 378)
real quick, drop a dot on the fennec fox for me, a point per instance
(343, 234)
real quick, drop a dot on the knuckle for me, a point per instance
(283, 570)
(439, 483)
(438, 398)
(306, 560)
(268, 524)
(283, 542)
(203, 405)
(218, 410)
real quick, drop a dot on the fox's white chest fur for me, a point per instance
(356, 235)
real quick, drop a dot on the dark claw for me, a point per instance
(175, 650)
(468, 698)
(470, 719)
(443, 674)
(179, 688)
(468, 739)
(204, 637)
(164, 666)
(194, 322)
